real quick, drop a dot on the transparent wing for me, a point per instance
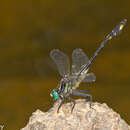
(62, 62)
(90, 77)
(79, 59)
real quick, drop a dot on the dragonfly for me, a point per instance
(79, 70)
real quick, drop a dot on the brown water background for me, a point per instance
(29, 30)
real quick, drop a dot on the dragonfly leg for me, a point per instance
(72, 100)
(53, 102)
(61, 103)
(76, 93)
(83, 91)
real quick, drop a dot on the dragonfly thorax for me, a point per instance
(64, 85)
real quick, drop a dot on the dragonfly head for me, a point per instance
(54, 94)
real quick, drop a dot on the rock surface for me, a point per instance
(99, 117)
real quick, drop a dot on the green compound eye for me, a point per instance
(55, 95)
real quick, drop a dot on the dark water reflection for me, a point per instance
(29, 30)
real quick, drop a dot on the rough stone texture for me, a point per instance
(99, 117)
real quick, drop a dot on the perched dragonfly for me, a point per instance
(79, 72)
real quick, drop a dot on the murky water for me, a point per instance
(30, 30)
